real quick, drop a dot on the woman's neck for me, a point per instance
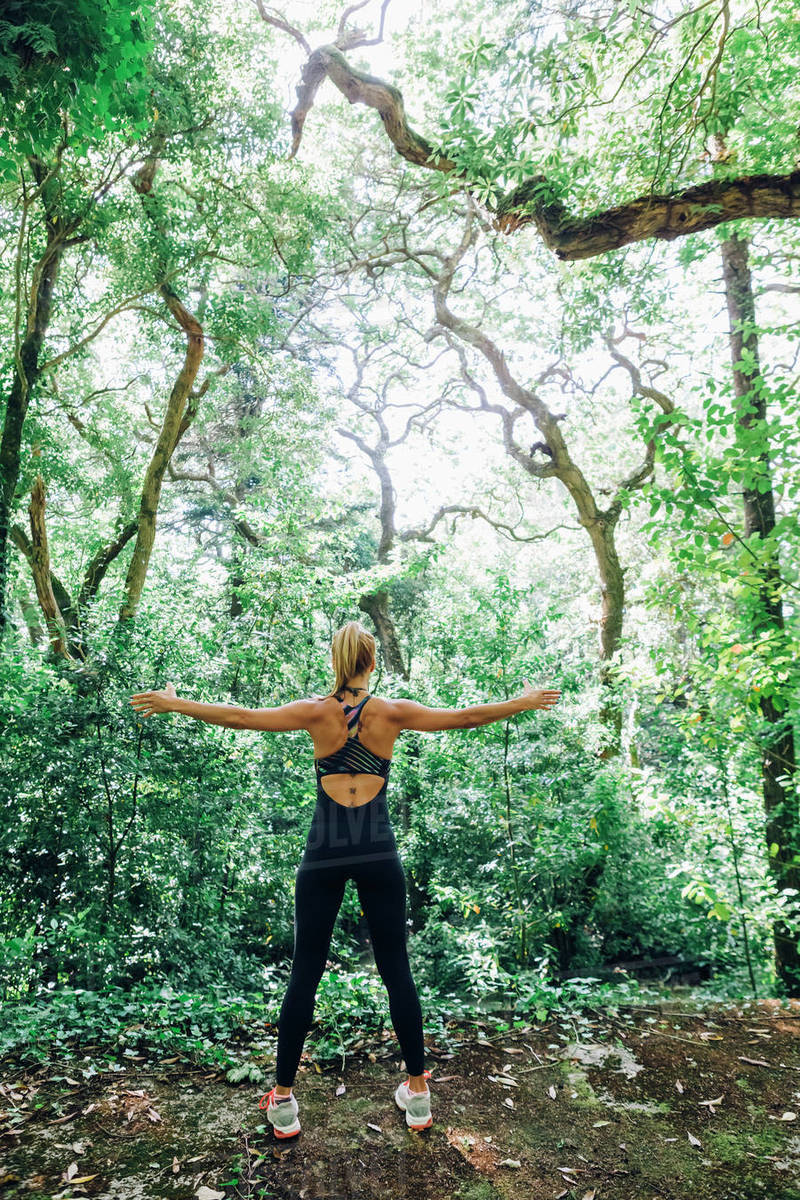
(356, 686)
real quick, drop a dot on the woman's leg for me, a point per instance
(317, 897)
(382, 892)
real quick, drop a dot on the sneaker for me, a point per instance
(416, 1105)
(282, 1117)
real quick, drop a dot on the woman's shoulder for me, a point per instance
(384, 706)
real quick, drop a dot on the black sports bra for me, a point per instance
(352, 757)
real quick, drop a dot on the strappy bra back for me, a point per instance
(352, 757)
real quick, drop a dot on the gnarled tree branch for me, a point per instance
(471, 510)
(570, 237)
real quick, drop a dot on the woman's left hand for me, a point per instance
(541, 697)
(147, 703)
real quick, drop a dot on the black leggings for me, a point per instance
(347, 844)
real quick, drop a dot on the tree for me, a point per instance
(549, 458)
(524, 101)
(161, 236)
(778, 752)
(61, 85)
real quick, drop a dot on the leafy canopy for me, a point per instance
(70, 69)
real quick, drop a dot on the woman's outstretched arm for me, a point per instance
(296, 715)
(425, 720)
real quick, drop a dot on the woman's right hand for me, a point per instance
(540, 697)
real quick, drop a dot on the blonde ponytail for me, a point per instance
(352, 649)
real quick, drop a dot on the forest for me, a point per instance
(477, 324)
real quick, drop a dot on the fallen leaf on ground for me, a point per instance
(377, 1128)
(207, 1193)
(679, 1086)
(551, 1091)
(69, 1116)
(693, 1140)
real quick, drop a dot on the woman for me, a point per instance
(350, 837)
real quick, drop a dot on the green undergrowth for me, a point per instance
(235, 1031)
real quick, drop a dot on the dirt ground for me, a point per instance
(653, 1103)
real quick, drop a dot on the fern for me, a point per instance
(41, 38)
(9, 67)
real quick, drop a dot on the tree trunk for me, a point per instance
(172, 427)
(778, 759)
(24, 376)
(40, 565)
(73, 613)
(31, 614)
(179, 413)
(612, 605)
(377, 605)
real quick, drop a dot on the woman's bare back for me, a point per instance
(377, 730)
